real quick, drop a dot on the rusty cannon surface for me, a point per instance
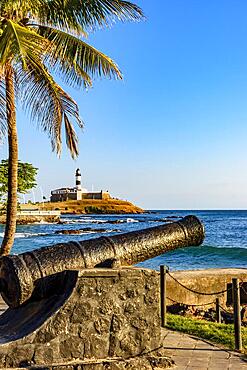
(22, 275)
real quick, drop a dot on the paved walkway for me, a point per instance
(190, 353)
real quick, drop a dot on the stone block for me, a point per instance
(108, 314)
(20, 356)
(43, 354)
(71, 347)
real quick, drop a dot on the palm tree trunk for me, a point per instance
(10, 226)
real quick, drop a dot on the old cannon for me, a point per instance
(20, 275)
(79, 306)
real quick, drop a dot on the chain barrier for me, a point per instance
(191, 305)
(194, 291)
(201, 293)
(223, 309)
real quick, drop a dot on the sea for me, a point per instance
(225, 244)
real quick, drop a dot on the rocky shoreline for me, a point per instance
(25, 220)
(84, 230)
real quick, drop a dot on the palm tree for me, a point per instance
(40, 39)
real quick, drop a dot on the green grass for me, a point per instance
(218, 333)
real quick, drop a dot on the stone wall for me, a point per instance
(101, 195)
(206, 281)
(63, 197)
(102, 319)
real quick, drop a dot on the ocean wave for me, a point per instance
(85, 220)
(33, 235)
(224, 249)
(25, 235)
(42, 222)
(84, 232)
(82, 221)
(209, 252)
(92, 220)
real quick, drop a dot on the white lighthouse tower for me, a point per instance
(78, 179)
(78, 188)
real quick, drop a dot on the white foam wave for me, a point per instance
(88, 220)
(82, 221)
(42, 222)
(131, 220)
(95, 231)
(25, 235)
(92, 221)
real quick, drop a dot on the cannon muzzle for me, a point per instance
(20, 275)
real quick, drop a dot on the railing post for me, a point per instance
(237, 314)
(218, 313)
(163, 295)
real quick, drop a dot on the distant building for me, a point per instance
(77, 193)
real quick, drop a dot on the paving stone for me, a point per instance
(204, 345)
(220, 354)
(204, 357)
(199, 361)
(218, 362)
(180, 361)
(201, 367)
(169, 352)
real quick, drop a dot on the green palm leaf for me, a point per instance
(17, 42)
(48, 104)
(14, 9)
(76, 60)
(80, 14)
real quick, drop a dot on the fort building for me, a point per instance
(77, 192)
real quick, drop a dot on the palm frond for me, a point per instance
(77, 61)
(71, 137)
(14, 9)
(81, 14)
(48, 104)
(17, 42)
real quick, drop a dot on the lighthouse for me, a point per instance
(78, 179)
(77, 192)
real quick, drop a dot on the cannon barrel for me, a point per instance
(20, 274)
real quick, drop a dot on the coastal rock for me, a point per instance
(26, 220)
(68, 232)
(115, 222)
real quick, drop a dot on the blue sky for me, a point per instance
(173, 134)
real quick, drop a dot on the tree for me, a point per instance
(26, 178)
(37, 38)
